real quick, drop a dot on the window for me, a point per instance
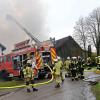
(4, 59)
(8, 58)
(45, 53)
(1, 59)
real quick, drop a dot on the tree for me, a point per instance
(93, 28)
(80, 34)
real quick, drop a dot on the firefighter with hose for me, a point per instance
(29, 76)
(57, 73)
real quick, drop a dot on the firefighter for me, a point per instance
(73, 69)
(80, 69)
(29, 76)
(96, 61)
(89, 61)
(62, 68)
(98, 66)
(66, 66)
(57, 73)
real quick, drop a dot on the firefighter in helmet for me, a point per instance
(80, 69)
(66, 66)
(57, 73)
(96, 61)
(29, 76)
(89, 61)
(73, 68)
(98, 66)
(62, 68)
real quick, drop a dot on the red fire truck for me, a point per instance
(14, 62)
(43, 52)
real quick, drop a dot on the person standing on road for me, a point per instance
(62, 68)
(98, 67)
(66, 66)
(29, 76)
(80, 68)
(57, 73)
(89, 62)
(73, 68)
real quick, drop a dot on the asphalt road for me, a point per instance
(68, 91)
(76, 90)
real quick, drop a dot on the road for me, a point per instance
(68, 91)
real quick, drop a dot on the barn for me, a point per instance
(68, 47)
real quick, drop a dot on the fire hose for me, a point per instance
(37, 84)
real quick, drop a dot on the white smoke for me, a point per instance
(29, 13)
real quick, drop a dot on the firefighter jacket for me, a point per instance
(57, 68)
(88, 60)
(67, 64)
(28, 72)
(98, 60)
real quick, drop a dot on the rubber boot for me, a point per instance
(28, 90)
(72, 78)
(62, 81)
(34, 89)
(58, 85)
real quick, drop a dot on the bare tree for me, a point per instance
(93, 28)
(80, 34)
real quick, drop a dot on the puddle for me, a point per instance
(88, 93)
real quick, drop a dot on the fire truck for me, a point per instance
(42, 52)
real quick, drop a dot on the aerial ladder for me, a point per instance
(38, 43)
(38, 57)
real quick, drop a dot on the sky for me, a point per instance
(42, 18)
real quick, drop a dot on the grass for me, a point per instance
(96, 91)
(10, 83)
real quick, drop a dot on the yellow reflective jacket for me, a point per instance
(57, 69)
(66, 64)
(98, 60)
(28, 72)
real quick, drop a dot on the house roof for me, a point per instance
(66, 40)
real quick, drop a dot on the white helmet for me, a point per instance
(55, 60)
(68, 58)
(58, 58)
(74, 58)
(29, 61)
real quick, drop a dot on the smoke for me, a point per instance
(29, 13)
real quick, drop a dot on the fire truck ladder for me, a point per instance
(38, 43)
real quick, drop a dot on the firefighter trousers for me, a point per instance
(29, 81)
(57, 79)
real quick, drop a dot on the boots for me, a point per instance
(58, 85)
(28, 90)
(34, 89)
(62, 81)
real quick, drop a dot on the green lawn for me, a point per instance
(96, 91)
(10, 83)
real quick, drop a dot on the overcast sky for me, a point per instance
(43, 18)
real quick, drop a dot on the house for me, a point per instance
(68, 47)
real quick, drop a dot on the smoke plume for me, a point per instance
(29, 13)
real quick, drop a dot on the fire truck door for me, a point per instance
(16, 61)
(24, 59)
